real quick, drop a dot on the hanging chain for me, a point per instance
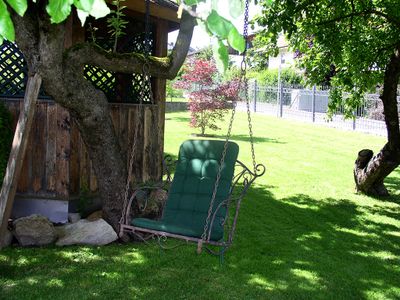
(146, 85)
(221, 165)
(246, 85)
(204, 236)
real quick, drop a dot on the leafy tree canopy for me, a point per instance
(350, 41)
(222, 30)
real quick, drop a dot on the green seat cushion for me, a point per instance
(192, 187)
(174, 228)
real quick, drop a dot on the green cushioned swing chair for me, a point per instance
(209, 184)
(205, 188)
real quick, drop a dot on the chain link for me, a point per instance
(204, 236)
(221, 165)
(146, 85)
(246, 84)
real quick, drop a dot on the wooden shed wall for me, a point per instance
(56, 163)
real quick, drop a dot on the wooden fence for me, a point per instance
(57, 165)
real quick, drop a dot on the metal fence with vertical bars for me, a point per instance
(311, 105)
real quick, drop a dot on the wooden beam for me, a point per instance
(17, 154)
(156, 10)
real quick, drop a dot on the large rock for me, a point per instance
(95, 216)
(6, 239)
(84, 232)
(34, 230)
(74, 217)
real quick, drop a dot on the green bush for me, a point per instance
(173, 92)
(270, 77)
(6, 135)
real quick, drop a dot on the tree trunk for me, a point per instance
(370, 171)
(43, 46)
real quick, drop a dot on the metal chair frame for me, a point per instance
(241, 182)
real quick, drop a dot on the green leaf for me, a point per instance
(236, 40)
(1, 40)
(218, 25)
(85, 5)
(6, 25)
(99, 9)
(221, 56)
(192, 2)
(236, 8)
(82, 15)
(19, 6)
(59, 10)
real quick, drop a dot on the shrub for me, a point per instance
(6, 135)
(270, 77)
(208, 100)
(173, 92)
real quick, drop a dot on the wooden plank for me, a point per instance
(74, 159)
(124, 129)
(63, 149)
(115, 111)
(138, 158)
(39, 133)
(156, 10)
(14, 165)
(25, 178)
(148, 158)
(51, 148)
(83, 166)
(93, 179)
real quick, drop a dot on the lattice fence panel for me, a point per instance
(13, 71)
(106, 81)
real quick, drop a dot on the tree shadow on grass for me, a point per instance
(323, 249)
(393, 184)
(246, 138)
(297, 247)
(181, 119)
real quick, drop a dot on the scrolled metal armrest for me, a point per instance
(132, 198)
(168, 162)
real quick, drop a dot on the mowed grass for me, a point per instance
(303, 233)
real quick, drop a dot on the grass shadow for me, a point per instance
(393, 184)
(181, 119)
(246, 138)
(296, 247)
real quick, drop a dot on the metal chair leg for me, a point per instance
(199, 246)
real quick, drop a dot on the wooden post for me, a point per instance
(17, 154)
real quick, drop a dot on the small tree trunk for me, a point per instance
(370, 171)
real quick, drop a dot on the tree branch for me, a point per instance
(27, 35)
(162, 67)
(389, 99)
(389, 18)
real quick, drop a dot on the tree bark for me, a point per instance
(370, 171)
(42, 44)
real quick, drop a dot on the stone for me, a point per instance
(95, 215)
(74, 217)
(86, 232)
(34, 230)
(6, 240)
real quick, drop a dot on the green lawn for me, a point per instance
(302, 234)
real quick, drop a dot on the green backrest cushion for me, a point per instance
(193, 184)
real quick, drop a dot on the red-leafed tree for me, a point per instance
(208, 99)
